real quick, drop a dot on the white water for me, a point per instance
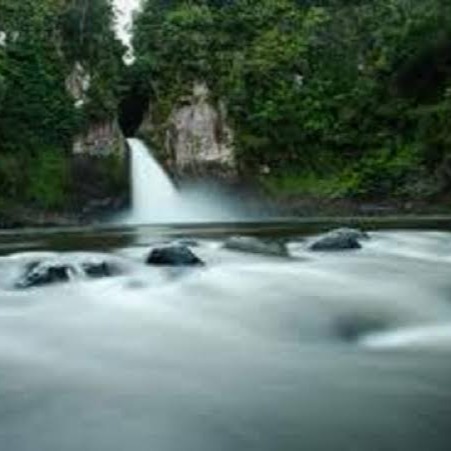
(124, 10)
(155, 198)
(152, 189)
(249, 353)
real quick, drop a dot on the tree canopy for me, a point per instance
(41, 41)
(359, 89)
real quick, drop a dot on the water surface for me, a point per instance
(342, 351)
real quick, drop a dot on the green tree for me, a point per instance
(42, 40)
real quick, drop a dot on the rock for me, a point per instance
(45, 273)
(173, 255)
(198, 140)
(78, 83)
(357, 233)
(97, 270)
(358, 325)
(50, 271)
(187, 242)
(99, 170)
(256, 245)
(339, 240)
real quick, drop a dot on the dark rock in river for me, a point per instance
(256, 245)
(97, 269)
(339, 240)
(173, 255)
(355, 326)
(45, 273)
(52, 271)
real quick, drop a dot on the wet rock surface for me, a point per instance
(52, 271)
(338, 240)
(44, 273)
(98, 269)
(173, 255)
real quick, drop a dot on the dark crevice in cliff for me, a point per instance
(132, 109)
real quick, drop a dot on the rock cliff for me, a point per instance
(99, 160)
(196, 139)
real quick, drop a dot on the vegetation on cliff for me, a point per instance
(329, 98)
(42, 42)
(334, 98)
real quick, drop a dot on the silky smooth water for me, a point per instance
(152, 189)
(156, 200)
(341, 351)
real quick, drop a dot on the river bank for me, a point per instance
(258, 207)
(305, 206)
(19, 216)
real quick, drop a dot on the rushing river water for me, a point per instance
(315, 351)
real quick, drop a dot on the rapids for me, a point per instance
(315, 351)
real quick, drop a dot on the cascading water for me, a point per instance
(153, 192)
(155, 199)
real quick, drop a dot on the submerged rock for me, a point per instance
(97, 269)
(256, 245)
(50, 271)
(355, 326)
(173, 255)
(339, 240)
(45, 273)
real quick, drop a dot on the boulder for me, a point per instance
(338, 240)
(97, 269)
(50, 271)
(173, 255)
(356, 233)
(45, 273)
(256, 245)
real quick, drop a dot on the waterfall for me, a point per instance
(154, 197)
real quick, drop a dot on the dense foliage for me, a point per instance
(351, 96)
(41, 41)
(331, 97)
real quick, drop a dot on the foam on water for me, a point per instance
(421, 337)
(155, 198)
(249, 353)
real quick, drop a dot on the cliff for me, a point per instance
(98, 158)
(195, 140)
(61, 150)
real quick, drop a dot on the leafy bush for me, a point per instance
(48, 179)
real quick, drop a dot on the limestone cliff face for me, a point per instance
(99, 159)
(101, 139)
(99, 164)
(197, 140)
(78, 83)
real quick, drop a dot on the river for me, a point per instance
(314, 351)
